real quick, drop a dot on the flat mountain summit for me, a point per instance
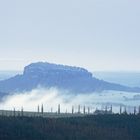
(47, 75)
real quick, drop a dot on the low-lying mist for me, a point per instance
(50, 98)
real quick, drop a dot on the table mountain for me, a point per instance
(47, 75)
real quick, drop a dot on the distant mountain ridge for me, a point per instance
(47, 75)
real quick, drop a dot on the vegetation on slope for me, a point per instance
(100, 127)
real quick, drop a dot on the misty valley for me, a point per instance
(50, 99)
(53, 84)
(69, 70)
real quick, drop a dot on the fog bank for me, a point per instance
(50, 98)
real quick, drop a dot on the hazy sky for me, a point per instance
(95, 34)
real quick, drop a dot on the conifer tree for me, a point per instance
(42, 109)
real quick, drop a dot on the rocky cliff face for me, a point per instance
(75, 79)
(46, 70)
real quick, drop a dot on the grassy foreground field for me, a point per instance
(97, 127)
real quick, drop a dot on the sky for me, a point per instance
(100, 35)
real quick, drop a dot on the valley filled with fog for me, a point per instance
(50, 98)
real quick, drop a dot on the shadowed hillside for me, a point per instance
(100, 127)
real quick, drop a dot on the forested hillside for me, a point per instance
(100, 127)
